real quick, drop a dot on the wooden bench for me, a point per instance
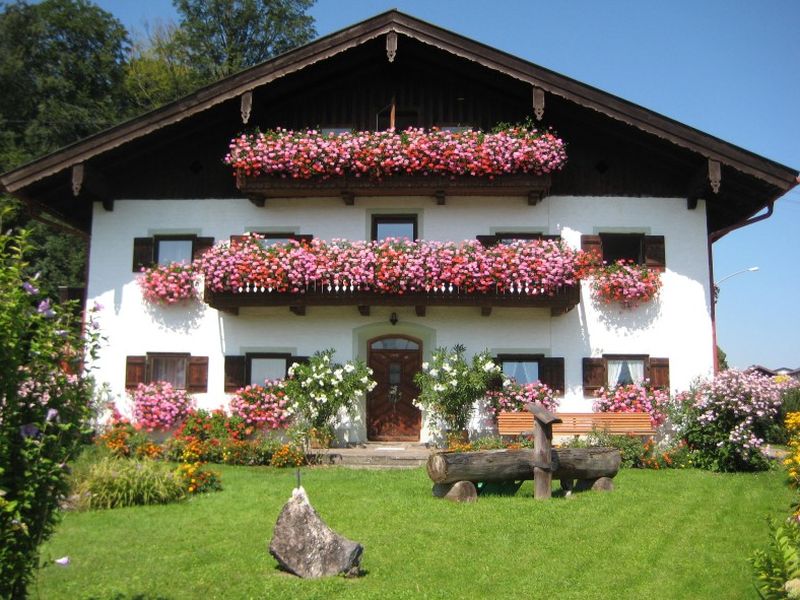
(574, 424)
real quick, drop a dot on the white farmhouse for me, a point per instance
(636, 185)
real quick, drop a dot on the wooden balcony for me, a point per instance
(565, 300)
(258, 189)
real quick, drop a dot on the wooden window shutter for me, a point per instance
(659, 373)
(551, 373)
(142, 253)
(594, 375)
(197, 374)
(234, 373)
(200, 245)
(592, 243)
(654, 252)
(135, 371)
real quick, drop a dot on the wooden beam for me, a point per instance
(441, 197)
(714, 175)
(486, 311)
(349, 198)
(108, 204)
(420, 309)
(246, 106)
(538, 102)
(363, 310)
(258, 201)
(77, 179)
(534, 197)
(231, 310)
(298, 309)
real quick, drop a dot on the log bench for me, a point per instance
(575, 424)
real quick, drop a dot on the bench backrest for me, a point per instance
(515, 423)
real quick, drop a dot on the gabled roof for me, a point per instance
(771, 172)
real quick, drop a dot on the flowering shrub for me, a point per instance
(321, 388)
(724, 420)
(514, 396)
(204, 425)
(792, 462)
(160, 406)
(634, 398)
(449, 384)
(288, 455)
(377, 154)
(391, 266)
(168, 284)
(262, 406)
(626, 283)
(196, 479)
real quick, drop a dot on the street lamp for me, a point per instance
(716, 285)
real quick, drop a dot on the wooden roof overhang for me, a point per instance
(688, 159)
(563, 301)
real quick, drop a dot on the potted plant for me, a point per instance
(450, 385)
(319, 389)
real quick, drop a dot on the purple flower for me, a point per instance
(30, 288)
(29, 430)
(52, 414)
(45, 310)
(63, 561)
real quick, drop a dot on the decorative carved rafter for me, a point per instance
(391, 45)
(714, 175)
(77, 178)
(246, 106)
(538, 102)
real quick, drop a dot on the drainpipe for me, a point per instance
(713, 237)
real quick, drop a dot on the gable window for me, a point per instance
(164, 249)
(254, 368)
(527, 368)
(611, 370)
(394, 226)
(180, 369)
(639, 248)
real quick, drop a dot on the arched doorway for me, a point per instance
(391, 416)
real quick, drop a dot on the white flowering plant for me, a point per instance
(320, 388)
(450, 384)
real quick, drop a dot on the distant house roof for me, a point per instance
(773, 372)
(766, 181)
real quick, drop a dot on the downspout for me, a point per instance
(713, 237)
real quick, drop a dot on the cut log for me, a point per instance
(515, 465)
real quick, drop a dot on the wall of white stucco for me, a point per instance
(676, 326)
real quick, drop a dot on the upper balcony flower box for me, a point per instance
(512, 162)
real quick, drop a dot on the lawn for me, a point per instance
(660, 534)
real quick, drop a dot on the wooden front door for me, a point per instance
(391, 416)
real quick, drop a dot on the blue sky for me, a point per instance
(730, 68)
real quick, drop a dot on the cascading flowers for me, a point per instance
(378, 154)
(169, 284)
(634, 398)
(625, 283)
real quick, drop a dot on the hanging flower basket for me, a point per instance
(168, 284)
(625, 283)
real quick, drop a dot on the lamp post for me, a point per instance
(716, 285)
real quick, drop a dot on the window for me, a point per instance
(181, 370)
(394, 226)
(393, 343)
(336, 129)
(506, 237)
(611, 370)
(527, 368)
(254, 368)
(403, 119)
(642, 249)
(163, 249)
(272, 238)
(455, 128)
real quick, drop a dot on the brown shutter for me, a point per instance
(197, 374)
(594, 375)
(659, 373)
(592, 243)
(551, 373)
(135, 371)
(487, 240)
(234, 373)
(142, 253)
(200, 245)
(654, 253)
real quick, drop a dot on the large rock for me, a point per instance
(304, 545)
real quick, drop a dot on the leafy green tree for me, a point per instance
(225, 36)
(722, 360)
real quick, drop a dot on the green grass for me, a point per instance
(660, 534)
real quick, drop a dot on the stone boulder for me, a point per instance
(304, 545)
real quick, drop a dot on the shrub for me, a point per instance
(116, 482)
(45, 408)
(204, 425)
(262, 406)
(631, 447)
(790, 402)
(777, 569)
(724, 421)
(450, 385)
(288, 455)
(123, 440)
(158, 405)
(633, 398)
(514, 396)
(196, 479)
(321, 388)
